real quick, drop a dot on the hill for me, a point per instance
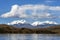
(49, 30)
(55, 29)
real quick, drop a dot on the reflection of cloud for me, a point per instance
(16, 37)
(12, 37)
(35, 37)
(30, 11)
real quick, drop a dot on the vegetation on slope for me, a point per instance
(10, 29)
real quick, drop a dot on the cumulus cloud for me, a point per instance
(12, 12)
(30, 11)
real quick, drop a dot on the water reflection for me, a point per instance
(29, 37)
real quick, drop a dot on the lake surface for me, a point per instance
(29, 37)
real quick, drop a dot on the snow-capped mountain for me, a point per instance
(43, 23)
(21, 24)
(36, 24)
(17, 22)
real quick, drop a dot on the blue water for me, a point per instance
(29, 37)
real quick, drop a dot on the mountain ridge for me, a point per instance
(36, 24)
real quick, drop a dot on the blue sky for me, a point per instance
(53, 15)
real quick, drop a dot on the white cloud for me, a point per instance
(42, 15)
(16, 11)
(12, 12)
(57, 8)
(17, 22)
(20, 11)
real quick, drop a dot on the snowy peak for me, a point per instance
(49, 22)
(17, 22)
(43, 23)
(36, 23)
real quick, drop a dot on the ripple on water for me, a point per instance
(29, 37)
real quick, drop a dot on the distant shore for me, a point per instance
(4, 29)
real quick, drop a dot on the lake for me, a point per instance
(29, 37)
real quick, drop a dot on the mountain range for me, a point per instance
(36, 24)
